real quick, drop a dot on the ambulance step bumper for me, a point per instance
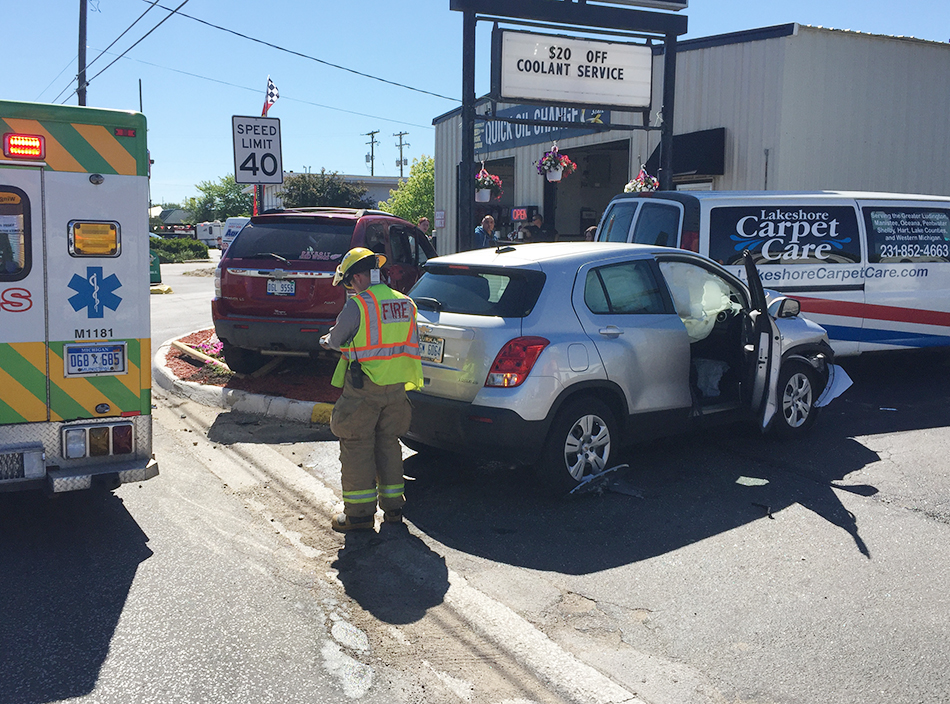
(77, 478)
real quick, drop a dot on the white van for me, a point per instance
(232, 226)
(872, 268)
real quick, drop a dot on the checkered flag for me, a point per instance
(272, 96)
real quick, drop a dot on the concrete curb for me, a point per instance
(239, 401)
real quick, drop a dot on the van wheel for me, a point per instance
(797, 393)
(579, 444)
(242, 360)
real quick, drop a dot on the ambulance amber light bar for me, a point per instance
(24, 146)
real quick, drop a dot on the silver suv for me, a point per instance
(558, 354)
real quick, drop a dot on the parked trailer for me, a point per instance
(75, 348)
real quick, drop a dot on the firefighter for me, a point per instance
(376, 332)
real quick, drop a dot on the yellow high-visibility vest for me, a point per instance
(387, 342)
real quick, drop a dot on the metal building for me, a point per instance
(790, 107)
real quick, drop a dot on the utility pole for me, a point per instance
(81, 89)
(371, 157)
(400, 162)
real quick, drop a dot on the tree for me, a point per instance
(323, 189)
(414, 197)
(219, 201)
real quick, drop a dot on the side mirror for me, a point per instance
(788, 308)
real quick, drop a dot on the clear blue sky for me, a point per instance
(195, 77)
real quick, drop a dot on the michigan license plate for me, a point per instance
(281, 287)
(430, 348)
(95, 360)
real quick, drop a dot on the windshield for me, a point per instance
(503, 293)
(297, 240)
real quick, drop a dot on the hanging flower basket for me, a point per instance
(554, 165)
(487, 186)
(643, 183)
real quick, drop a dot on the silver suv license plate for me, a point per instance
(281, 287)
(430, 348)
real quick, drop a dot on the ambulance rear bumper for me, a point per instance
(59, 480)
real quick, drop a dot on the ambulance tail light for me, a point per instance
(514, 361)
(690, 240)
(98, 441)
(24, 146)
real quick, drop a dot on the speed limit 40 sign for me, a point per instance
(257, 150)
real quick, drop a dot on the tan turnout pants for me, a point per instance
(368, 422)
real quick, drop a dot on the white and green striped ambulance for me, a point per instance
(75, 372)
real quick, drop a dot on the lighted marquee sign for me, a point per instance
(568, 70)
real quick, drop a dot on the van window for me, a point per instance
(657, 224)
(617, 222)
(15, 234)
(907, 234)
(623, 288)
(785, 234)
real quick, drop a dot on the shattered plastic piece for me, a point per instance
(586, 482)
(751, 481)
(838, 383)
(607, 481)
(887, 409)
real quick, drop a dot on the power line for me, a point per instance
(170, 13)
(312, 58)
(54, 81)
(283, 96)
(150, 8)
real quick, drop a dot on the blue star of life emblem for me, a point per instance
(94, 293)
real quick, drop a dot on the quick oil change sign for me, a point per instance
(793, 234)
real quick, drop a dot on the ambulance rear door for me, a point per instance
(99, 334)
(24, 391)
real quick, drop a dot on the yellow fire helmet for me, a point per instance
(351, 258)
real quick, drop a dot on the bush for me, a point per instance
(178, 250)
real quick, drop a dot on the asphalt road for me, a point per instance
(722, 566)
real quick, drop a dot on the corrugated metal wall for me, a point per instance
(865, 112)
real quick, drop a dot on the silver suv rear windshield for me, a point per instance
(504, 293)
(294, 240)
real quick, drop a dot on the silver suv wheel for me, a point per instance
(579, 443)
(797, 386)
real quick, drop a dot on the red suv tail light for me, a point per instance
(515, 360)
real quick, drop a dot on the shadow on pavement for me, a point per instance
(689, 488)
(392, 575)
(67, 567)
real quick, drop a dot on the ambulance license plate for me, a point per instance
(95, 360)
(281, 287)
(431, 348)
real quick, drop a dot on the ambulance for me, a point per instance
(75, 348)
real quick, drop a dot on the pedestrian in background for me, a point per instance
(484, 233)
(376, 332)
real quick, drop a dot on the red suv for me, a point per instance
(273, 287)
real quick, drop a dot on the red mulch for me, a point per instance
(296, 377)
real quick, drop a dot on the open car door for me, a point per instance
(765, 343)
